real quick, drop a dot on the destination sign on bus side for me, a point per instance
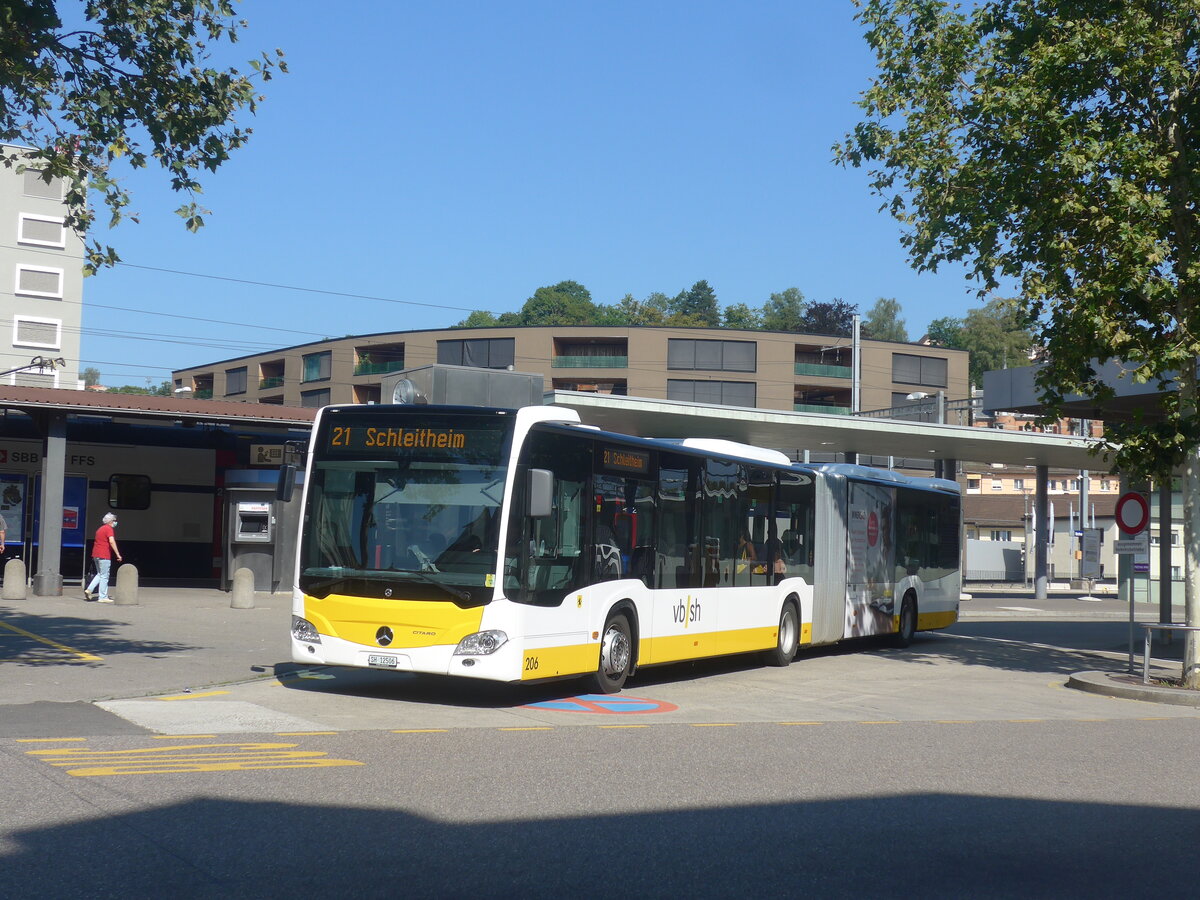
(624, 459)
(366, 437)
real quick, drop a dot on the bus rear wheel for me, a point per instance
(616, 655)
(787, 637)
(908, 623)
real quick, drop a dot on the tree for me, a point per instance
(835, 317)
(739, 315)
(696, 306)
(996, 337)
(784, 311)
(1058, 144)
(134, 82)
(479, 318)
(629, 311)
(945, 332)
(162, 390)
(91, 376)
(565, 303)
(883, 322)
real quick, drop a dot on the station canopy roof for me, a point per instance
(795, 432)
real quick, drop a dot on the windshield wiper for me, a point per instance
(449, 589)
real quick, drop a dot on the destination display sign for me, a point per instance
(624, 460)
(375, 436)
(369, 437)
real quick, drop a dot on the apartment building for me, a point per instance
(42, 261)
(771, 370)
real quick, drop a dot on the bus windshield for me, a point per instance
(405, 505)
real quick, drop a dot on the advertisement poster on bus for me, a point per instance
(12, 506)
(870, 575)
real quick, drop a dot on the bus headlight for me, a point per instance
(481, 643)
(303, 630)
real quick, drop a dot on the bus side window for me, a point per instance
(676, 563)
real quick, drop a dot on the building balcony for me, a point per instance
(271, 381)
(202, 394)
(378, 368)
(824, 371)
(828, 409)
(590, 362)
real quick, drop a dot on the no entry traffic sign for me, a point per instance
(1133, 512)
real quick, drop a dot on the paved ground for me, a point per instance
(108, 667)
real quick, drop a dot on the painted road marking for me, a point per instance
(193, 696)
(83, 656)
(605, 704)
(1020, 608)
(237, 757)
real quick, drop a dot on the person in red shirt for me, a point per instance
(104, 548)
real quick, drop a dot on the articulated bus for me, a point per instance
(521, 545)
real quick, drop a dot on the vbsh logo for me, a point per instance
(686, 612)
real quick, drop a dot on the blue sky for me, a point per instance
(455, 156)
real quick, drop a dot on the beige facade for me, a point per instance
(772, 370)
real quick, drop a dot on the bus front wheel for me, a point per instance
(908, 622)
(787, 637)
(616, 655)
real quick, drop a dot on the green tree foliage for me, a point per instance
(883, 323)
(91, 376)
(696, 306)
(132, 81)
(479, 318)
(1058, 144)
(996, 337)
(834, 317)
(162, 390)
(565, 303)
(784, 311)
(739, 315)
(946, 332)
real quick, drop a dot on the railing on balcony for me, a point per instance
(828, 409)
(590, 362)
(824, 371)
(271, 381)
(202, 393)
(378, 368)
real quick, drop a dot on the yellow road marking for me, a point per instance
(420, 730)
(180, 737)
(86, 657)
(881, 722)
(193, 696)
(46, 740)
(248, 756)
(303, 733)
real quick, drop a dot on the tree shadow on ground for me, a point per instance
(53, 640)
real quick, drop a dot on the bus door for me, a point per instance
(73, 562)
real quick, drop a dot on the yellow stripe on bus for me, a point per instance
(698, 644)
(929, 621)
(547, 662)
(414, 623)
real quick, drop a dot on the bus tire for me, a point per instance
(908, 622)
(616, 655)
(787, 636)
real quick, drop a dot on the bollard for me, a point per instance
(242, 596)
(16, 586)
(126, 593)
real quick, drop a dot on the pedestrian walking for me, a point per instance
(104, 548)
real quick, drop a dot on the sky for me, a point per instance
(424, 160)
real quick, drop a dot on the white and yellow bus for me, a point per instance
(520, 545)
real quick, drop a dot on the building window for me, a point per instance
(1001, 535)
(39, 378)
(997, 484)
(39, 281)
(318, 366)
(1018, 484)
(925, 370)
(483, 353)
(973, 485)
(45, 334)
(1105, 484)
(43, 231)
(314, 399)
(1176, 573)
(722, 393)
(129, 492)
(235, 381)
(717, 356)
(37, 186)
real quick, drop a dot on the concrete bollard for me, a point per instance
(126, 593)
(16, 586)
(242, 596)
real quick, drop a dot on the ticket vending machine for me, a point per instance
(260, 531)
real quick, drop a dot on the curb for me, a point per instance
(1129, 687)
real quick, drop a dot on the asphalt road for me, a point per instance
(959, 767)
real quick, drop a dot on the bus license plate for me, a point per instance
(383, 662)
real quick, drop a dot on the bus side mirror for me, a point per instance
(286, 485)
(540, 493)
